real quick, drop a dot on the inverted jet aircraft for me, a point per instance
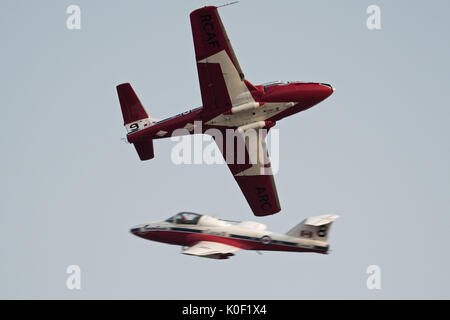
(230, 102)
(209, 237)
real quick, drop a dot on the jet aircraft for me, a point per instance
(230, 102)
(210, 237)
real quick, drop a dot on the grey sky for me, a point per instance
(376, 152)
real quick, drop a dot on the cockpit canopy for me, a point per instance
(185, 218)
(274, 83)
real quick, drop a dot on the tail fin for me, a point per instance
(134, 115)
(135, 118)
(315, 228)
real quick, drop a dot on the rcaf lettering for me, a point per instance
(208, 28)
(260, 190)
(205, 18)
(263, 198)
(266, 204)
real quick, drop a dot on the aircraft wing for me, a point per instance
(222, 82)
(253, 173)
(223, 86)
(209, 249)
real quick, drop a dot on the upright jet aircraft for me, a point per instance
(230, 101)
(209, 237)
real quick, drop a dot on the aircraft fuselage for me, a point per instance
(272, 103)
(247, 239)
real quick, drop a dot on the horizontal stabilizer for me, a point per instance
(144, 149)
(321, 220)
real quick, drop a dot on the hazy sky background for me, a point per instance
(376, 152)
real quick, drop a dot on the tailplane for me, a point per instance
(315, 228)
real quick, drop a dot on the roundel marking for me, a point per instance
(266, 240)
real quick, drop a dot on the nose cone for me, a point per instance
(325, 90)
(134, 230)
(137, 230)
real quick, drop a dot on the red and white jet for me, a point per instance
(209, 237)
(230, 102)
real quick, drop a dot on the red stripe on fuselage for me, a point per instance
(188, 239)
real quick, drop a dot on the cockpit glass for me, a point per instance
(274, 83)
(184, 218)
